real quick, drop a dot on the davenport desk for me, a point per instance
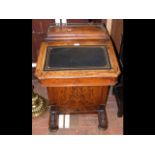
(77, 64)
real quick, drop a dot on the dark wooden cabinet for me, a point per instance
(117, 33)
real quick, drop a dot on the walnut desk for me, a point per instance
(77, 64)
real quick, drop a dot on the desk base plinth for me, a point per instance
(78, 100)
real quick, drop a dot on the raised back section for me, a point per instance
(77, 32)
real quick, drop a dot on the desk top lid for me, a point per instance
(77, 31)
(76, 58)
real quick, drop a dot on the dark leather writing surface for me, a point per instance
(76, 58)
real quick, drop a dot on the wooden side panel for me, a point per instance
(116, 33)
(77, 99)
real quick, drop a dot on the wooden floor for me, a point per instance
(86, 124)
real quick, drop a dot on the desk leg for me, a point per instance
(102, 117)
(53, 124)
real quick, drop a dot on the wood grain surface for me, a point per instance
(77, 99)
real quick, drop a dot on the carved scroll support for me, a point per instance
(53, 123)
(102, 117)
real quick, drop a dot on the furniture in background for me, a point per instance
(118, 88)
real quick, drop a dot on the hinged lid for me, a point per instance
(77, 32)
(76, 58)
